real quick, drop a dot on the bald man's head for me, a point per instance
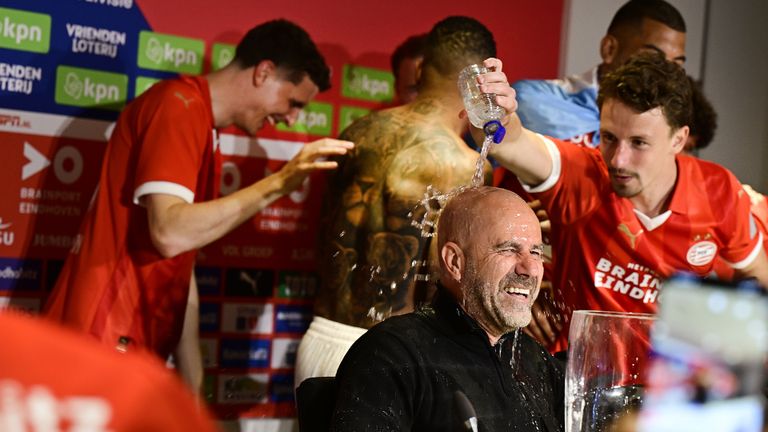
(491, 257)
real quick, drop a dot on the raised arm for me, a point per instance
(522, 151)
(177, 226)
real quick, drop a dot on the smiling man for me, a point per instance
(127, 279)
(403, 373)
(630, 214)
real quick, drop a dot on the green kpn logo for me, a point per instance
(348, 114)
(221, 55)
(170, 53)
(143, 84)
(314, 119)
(367, 84)
(90, 88)
(25, 31)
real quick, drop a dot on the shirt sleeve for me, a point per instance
(546, 108)
(173, 134)
(574, 187)
(743, 239)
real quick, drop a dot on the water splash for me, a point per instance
(479, 178)
(514, 349)
(432, 204)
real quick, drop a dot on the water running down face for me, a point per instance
(502, 255)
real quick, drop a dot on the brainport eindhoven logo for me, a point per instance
(6, 235)
(90, 88)
(170, 53)
(25, 31)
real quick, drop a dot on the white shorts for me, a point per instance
(323, 347)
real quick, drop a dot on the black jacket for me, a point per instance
(401, 376)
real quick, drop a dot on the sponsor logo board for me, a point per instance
(348, 114)
(25, 31)
(247, 318)
(90, 88)
(368, 84)
(221, 55)
(314, 119)
(170, 53)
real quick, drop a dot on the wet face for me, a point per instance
(503, 270)
(274, 99)
(653, 36)
(638, 148)
(405, 79)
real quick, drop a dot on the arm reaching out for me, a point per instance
(523, 152)
(177, 226)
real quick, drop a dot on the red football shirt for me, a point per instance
(114, 284)
(55, 380)
(608, 256)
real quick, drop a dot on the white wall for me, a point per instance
(727, 48)
(736, 81)
(586, 21)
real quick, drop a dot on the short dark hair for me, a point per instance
(289, 47)
(646, 81)
(632, 14)
(704, 118)
(411, 48)
(456, 42)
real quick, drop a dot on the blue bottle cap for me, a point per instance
(496, 130)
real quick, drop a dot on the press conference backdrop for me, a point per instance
(67, 68)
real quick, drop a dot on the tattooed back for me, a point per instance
(371, 256)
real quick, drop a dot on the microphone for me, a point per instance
(465, 411)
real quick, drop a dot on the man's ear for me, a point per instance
(609, 46)
(453, 260)
(679, 139)
(262, 71)
(419, 63)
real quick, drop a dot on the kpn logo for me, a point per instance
(170, 53)
(90, 88)
(221, 55)
(314, 119)
(24, 31)
(367, 84)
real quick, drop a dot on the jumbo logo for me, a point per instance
(90, 88)
(367, 84)
(170, 53)
(25, 31)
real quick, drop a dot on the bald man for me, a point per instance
(403, 373)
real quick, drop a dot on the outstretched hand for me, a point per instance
(312, 157)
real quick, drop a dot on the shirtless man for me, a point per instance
(372, 258)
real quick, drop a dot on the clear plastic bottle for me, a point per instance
(481, 107)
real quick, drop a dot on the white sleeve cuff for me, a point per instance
(554, 176)
(163, 187)
(751, 257)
